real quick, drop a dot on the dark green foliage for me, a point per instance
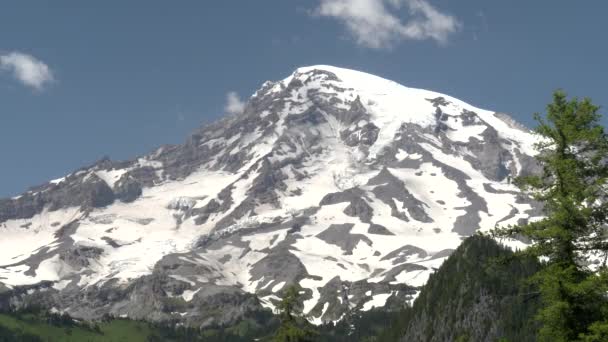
(573, 155)
(479, 272)
(292, 328)
(40, 326)
(478, 294)
(293, 332)
(598, 332)
(8, 335)
(288, 304)
(572, 187)
(363, 326)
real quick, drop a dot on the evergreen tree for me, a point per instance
(291, 330)
(573, 153)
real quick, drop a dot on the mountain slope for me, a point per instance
(480, 293)
(351, 185)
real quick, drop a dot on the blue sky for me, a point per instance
(82, 80)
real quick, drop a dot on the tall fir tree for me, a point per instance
(573, 153)
(292, 329)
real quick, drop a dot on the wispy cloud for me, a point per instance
(234, 105)
(376, 23)
(27, 69)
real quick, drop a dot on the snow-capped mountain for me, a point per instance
(350, 185)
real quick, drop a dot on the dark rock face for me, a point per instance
(85, 192)
(340, 235)
(365, 135)
(127, 189)
(269, 178)
(147, 298)
(354, 114)
(146, 176)
(99, 194)
(400, 255)
(358, 207)
(279, 265)
(378, 229)
(389, 187)
(490, 156)
(80, 256)
(391, 275)
(24, 207)
(529, 165)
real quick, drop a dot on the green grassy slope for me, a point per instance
(29, 326)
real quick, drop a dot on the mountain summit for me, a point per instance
(350, 185)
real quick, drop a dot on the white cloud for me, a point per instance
(27, 69)
(374, 23)
(234, 105)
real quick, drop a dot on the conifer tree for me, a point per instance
(291, 330)
(573, 154)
